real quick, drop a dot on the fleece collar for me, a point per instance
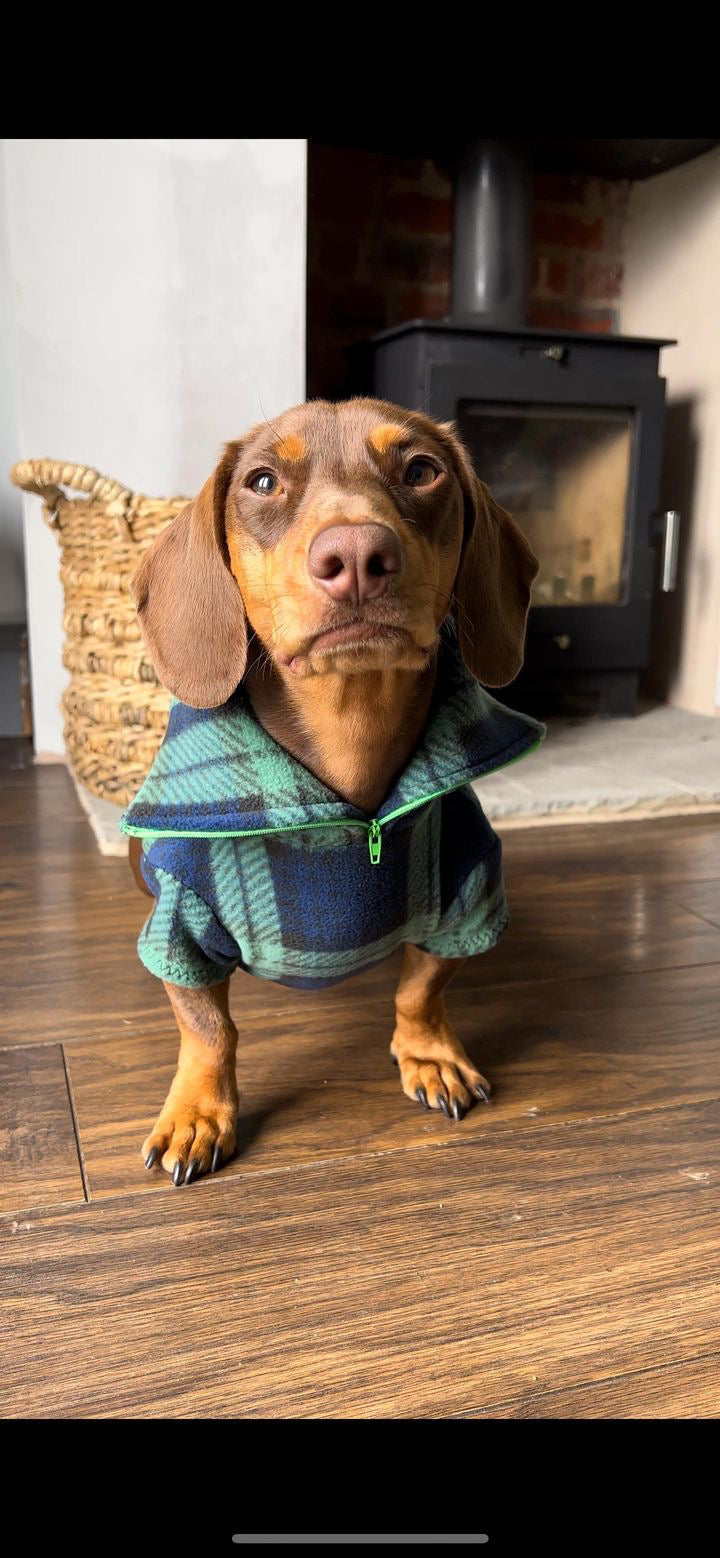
(219, 772)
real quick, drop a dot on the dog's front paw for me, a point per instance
(195, 1130)
(437, 1073)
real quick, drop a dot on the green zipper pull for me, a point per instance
(375, 842)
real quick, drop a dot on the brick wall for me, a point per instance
(379, 232)
(578, 226)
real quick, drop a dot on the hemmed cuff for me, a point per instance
(457, 946)
(178, 974)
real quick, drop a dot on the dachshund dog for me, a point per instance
(315, 576)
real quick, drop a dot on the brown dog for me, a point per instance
(316, 567)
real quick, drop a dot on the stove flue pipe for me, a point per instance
(492, 234)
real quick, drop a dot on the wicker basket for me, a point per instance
(115, 709)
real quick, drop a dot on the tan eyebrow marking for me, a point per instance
(291, 448)
(389, 433)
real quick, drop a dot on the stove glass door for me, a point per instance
(563, 472)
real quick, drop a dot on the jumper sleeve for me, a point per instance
(183, 941)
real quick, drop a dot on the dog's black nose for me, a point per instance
(355, 562)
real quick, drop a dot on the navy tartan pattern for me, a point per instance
(307, 908)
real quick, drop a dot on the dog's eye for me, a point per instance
(420, 473)
(265, 484)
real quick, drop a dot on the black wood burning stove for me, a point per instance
(566, 431)
(565, 428)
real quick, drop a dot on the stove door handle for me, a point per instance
(667, 529)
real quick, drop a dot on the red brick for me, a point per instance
(405, 170)
(358, 303)
(606, 189)
(561, 189)
(422, 304)
(557, 276)
(600, 282)
(416, 260)
(599, 324)
(341, 305)
(332, 168)
(556, 229)
(336, 254)
(419, 213)
(551, 316)
(343, 187)
(327, 367)
(550, 276)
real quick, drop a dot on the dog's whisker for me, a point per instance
(267, 421)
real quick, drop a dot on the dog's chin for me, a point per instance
(408, 657)
(391, 649)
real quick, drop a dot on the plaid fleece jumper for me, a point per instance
(256, 864)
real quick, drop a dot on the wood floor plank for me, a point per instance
(15, 754)
(414, 1284)
(680, 1390)
(85, 979)
(701, 898)
(39, 1162)
(671, 849)
(613, 929)
(321, 1085)
(43, 796)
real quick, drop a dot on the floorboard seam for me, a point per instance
(714, 924)
(439, 1143)
(76, 1127)
(35, 1044)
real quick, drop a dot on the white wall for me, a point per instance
(672, 288)
(160, 297)
(12, 587)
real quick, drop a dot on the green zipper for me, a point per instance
(374, 827)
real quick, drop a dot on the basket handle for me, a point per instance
(47, 477)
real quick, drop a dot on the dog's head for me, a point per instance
(342, 536)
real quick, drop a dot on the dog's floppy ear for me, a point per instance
(492, 588)
(190, 608)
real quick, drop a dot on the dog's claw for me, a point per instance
(216, 1160)
(481, 1093)
(421, 1096)
(177, 1172)
(444, 1106)
(192, 1169)
(457, 1109)
(151, 1157)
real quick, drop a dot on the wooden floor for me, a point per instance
(555, 1255)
